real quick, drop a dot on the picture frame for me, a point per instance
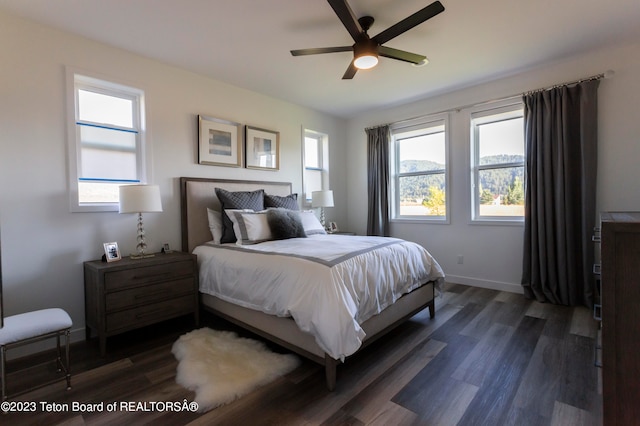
(166, 248)
(262, 149)
(333, 227)
(219, 142)
(112, 252)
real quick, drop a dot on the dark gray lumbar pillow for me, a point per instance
(289, 202)
(285, 224)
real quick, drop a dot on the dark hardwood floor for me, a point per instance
(487, 358)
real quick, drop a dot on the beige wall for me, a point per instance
(44, 244)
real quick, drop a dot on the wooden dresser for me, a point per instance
(132, 293)
(620, 272)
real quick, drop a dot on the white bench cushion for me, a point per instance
(32, 324)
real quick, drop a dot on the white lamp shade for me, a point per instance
(140, 199)
(322, 199)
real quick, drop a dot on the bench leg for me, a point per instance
(66, 364)
(68, 369)
(59, 364)
(3, 372)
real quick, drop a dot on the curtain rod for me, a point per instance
(607, 74)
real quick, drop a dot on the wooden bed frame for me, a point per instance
(199, 193)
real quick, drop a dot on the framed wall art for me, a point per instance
(219, 142)
(262, 149)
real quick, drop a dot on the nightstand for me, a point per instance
(341, 233)
(133, 293)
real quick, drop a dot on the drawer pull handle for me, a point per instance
(145, 277)
(149, 313)
(151, 294)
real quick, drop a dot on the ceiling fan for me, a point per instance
(367, 49)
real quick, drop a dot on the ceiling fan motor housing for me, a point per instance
(365, 47)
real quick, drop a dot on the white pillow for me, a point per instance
(250, 227)
(310, 223)
(215, 224)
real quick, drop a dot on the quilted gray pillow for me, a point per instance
(289, 202)
(253, 200)
(285, 224)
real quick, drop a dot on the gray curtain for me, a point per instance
(561, 165)
(378, 180)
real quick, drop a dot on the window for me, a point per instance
(106, 141)
(420, 177)
(497, 147)
(316, 163)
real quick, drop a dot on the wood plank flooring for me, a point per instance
(487, 358)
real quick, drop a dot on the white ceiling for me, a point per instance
(246, 42)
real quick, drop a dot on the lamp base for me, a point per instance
(322, 222)
(141, 256)
(142, 244)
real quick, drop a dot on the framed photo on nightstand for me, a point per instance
(112, 252)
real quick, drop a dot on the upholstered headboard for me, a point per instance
(196, 194)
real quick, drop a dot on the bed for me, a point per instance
(293, 327)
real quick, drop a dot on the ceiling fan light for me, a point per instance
(365, 54)
(366, 62)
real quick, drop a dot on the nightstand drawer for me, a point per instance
(144, 295)
(133, 293)
(149, 314)
(139, 276)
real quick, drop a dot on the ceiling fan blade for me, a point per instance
(318, 50)
(350, 72)
(406, 24)
(349, 20)
(401, 55)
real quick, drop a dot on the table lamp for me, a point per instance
(140, 199)
(322, 199)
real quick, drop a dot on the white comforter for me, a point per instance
(328, 284)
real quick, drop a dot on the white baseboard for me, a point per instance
(492, 285)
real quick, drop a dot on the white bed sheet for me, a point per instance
(328, 284)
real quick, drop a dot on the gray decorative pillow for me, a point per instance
(285, 224)
(253, 200)
(289, 202)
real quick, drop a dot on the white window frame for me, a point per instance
(417, 126)
(505, 110)
(323, 160)
(77, 80)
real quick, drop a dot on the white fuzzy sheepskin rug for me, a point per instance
(220, 366)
